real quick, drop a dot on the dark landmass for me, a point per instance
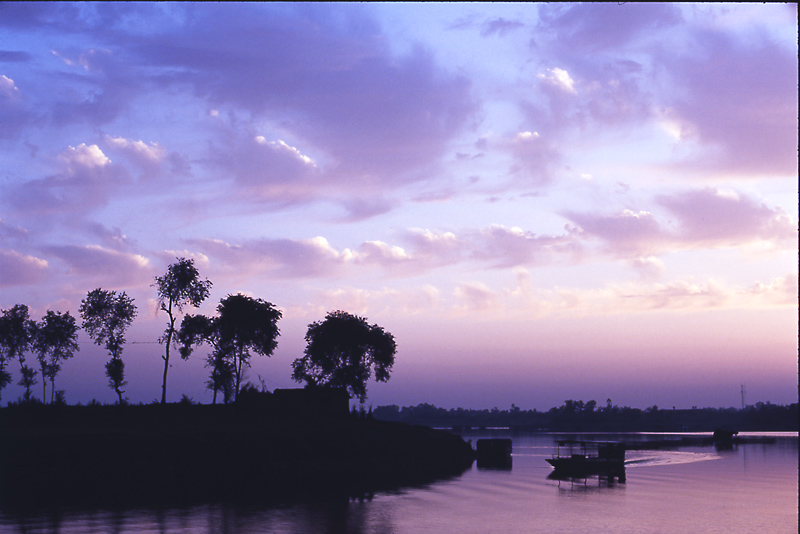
(577, 416)
(124, 455)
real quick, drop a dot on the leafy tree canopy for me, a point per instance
(56, 336)
(16, 330)
(55, 340)
(106, 315)
(243, 324)
(344, 351)
(181, 285)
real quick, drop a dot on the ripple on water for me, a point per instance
(654, 458)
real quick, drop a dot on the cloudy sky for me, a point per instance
(540, 201)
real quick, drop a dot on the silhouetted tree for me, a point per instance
(243, 324)
(196, 330)
(221, 377)
(55, 340)
(27, 380)
(181, 285)
(106, 315)
(16, 330)
(342, 351)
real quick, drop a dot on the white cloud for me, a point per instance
(7, 87)
(380, 252)
(524, 136)
(153, 152)
(282, 147)
(84, 156)
(559, 78)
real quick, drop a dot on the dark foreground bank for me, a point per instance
(126, 455)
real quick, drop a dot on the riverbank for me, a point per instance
(109, 455)
(577, 416)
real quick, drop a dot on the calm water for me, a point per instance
(753, 488)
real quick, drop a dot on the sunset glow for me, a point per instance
(540, 202)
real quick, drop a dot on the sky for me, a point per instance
(540, 202)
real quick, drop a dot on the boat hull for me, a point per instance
(587, 466)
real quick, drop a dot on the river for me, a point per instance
(752, 488)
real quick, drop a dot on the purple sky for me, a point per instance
(540, 201)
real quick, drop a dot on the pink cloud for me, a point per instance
(434, 248)
(111, 238)
(20, 269)
(331, 80)
(285, 258)
(392, 258)
(98, 265)
(14, 113)
(475, 296)
(782, 290)
(733, 97)
(534, 158)
(267, 171)
(597, 27)
(150, 158)
(709, 216)
(741, 103)
(86, 179)
(512, 247)
(425, 250)
(705, 218)
(626, 233)
(324, 73)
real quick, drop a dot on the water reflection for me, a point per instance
(752, 488)
(610, 478)
(495, 464)
(335, 516)
(587, 484)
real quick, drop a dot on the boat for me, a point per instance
(576, 458)
(494, 454)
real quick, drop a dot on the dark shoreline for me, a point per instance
(106, 456)
(577, 416)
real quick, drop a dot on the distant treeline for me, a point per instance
(579, 416)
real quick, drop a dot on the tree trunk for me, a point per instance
(44, 387)
(166, 358)
(238, 363)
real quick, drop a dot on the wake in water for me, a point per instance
(651, 458)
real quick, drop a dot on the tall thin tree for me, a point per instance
(16, 329)
(55, 340)
(14, 339)
(106, 315)
(181, 285)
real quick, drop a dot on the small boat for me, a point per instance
(575, 458)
